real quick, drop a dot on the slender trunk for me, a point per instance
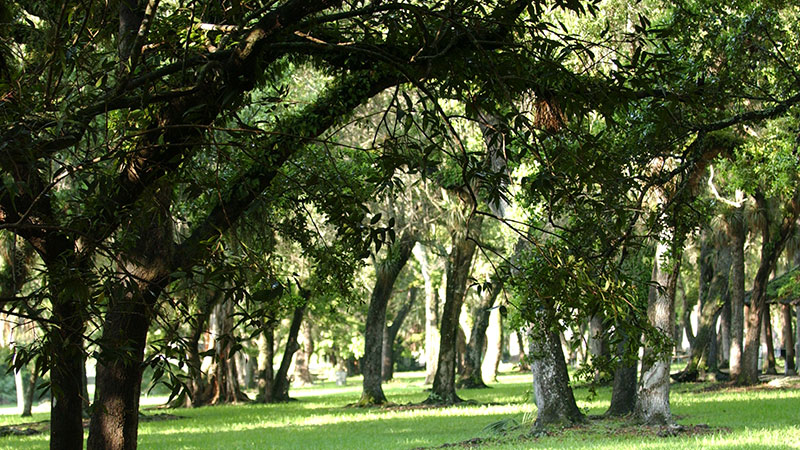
(280, 385)
(652, 399)
(431, 314)
(701, 358)
(555, 401)
(301, 371)
(386, 273)
(768, 339)
(524, 361)
(460, 261)
(772, 244)
(30, 393)
(19, 385)
(598, 347)
(224, 383)
(471, 377)
(724, 340)
(788, 338)
(623, 392)
(198, 393)
(494, 346)
(797, 337)
(390, 335)
(737, 233)
(266, 356)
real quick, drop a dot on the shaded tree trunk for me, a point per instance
(598, 346)
(702, 357)
(458, 267)
(390, 335)
(471, 377)
(555, 401)
(788, 339)
(623, 391)
(303, 358)
(266, 357)
(280, 385)
(224, 382)
(769, 358)
(724, 336)
(737, 234)
(652, 399)
(386, 273)
(772, 243)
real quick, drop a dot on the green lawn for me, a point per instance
(764, 418)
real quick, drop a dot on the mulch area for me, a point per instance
(768, 383)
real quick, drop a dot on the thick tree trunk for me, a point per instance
(652, 399)
(224, 381)
(390, 335)
(788, 338)
(303, 358)
(471, 377)
(772, 244)
(737, 233)
(555, 401)
(280, 385)
(770, 366)
(459, 264)
(386, 273)
(623, 392)
(431, 315)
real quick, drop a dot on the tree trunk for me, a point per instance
(797, 337)
(280, 385)
(700, 359)
(459, 264)
(737, 233)
(772, 244)
(623, 392)
(494, 346)
(555, 401)
(724, 337)
(30, 393)
(458, 267)
(386, 273)
(598, 347)
(224, 382)
(471, 377)
(266, 357)
(652, 400)
(431, 315)
(390, 335)
(788, 339)
(769, 358)
(303, 358)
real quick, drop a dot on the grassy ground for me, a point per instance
(767, 417)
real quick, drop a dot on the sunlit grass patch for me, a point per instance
(319, 419)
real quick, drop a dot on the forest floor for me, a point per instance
(709, 415)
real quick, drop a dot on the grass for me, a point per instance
(757, 418)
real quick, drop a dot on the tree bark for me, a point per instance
(598, 346)
(700, 359)
(623, 391)
(769, 358)
(280, 385)
(737, 233)
(652, 399)
(788, 339)
(390, 335)
(301, 361)
(724, 336)
(431, 315)
(459, 264)
(266, 357)
(386, 273)
(224, 379)
(555, 401)
(471, 377)
(494, 346)
(115, 417)
(772, 244)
